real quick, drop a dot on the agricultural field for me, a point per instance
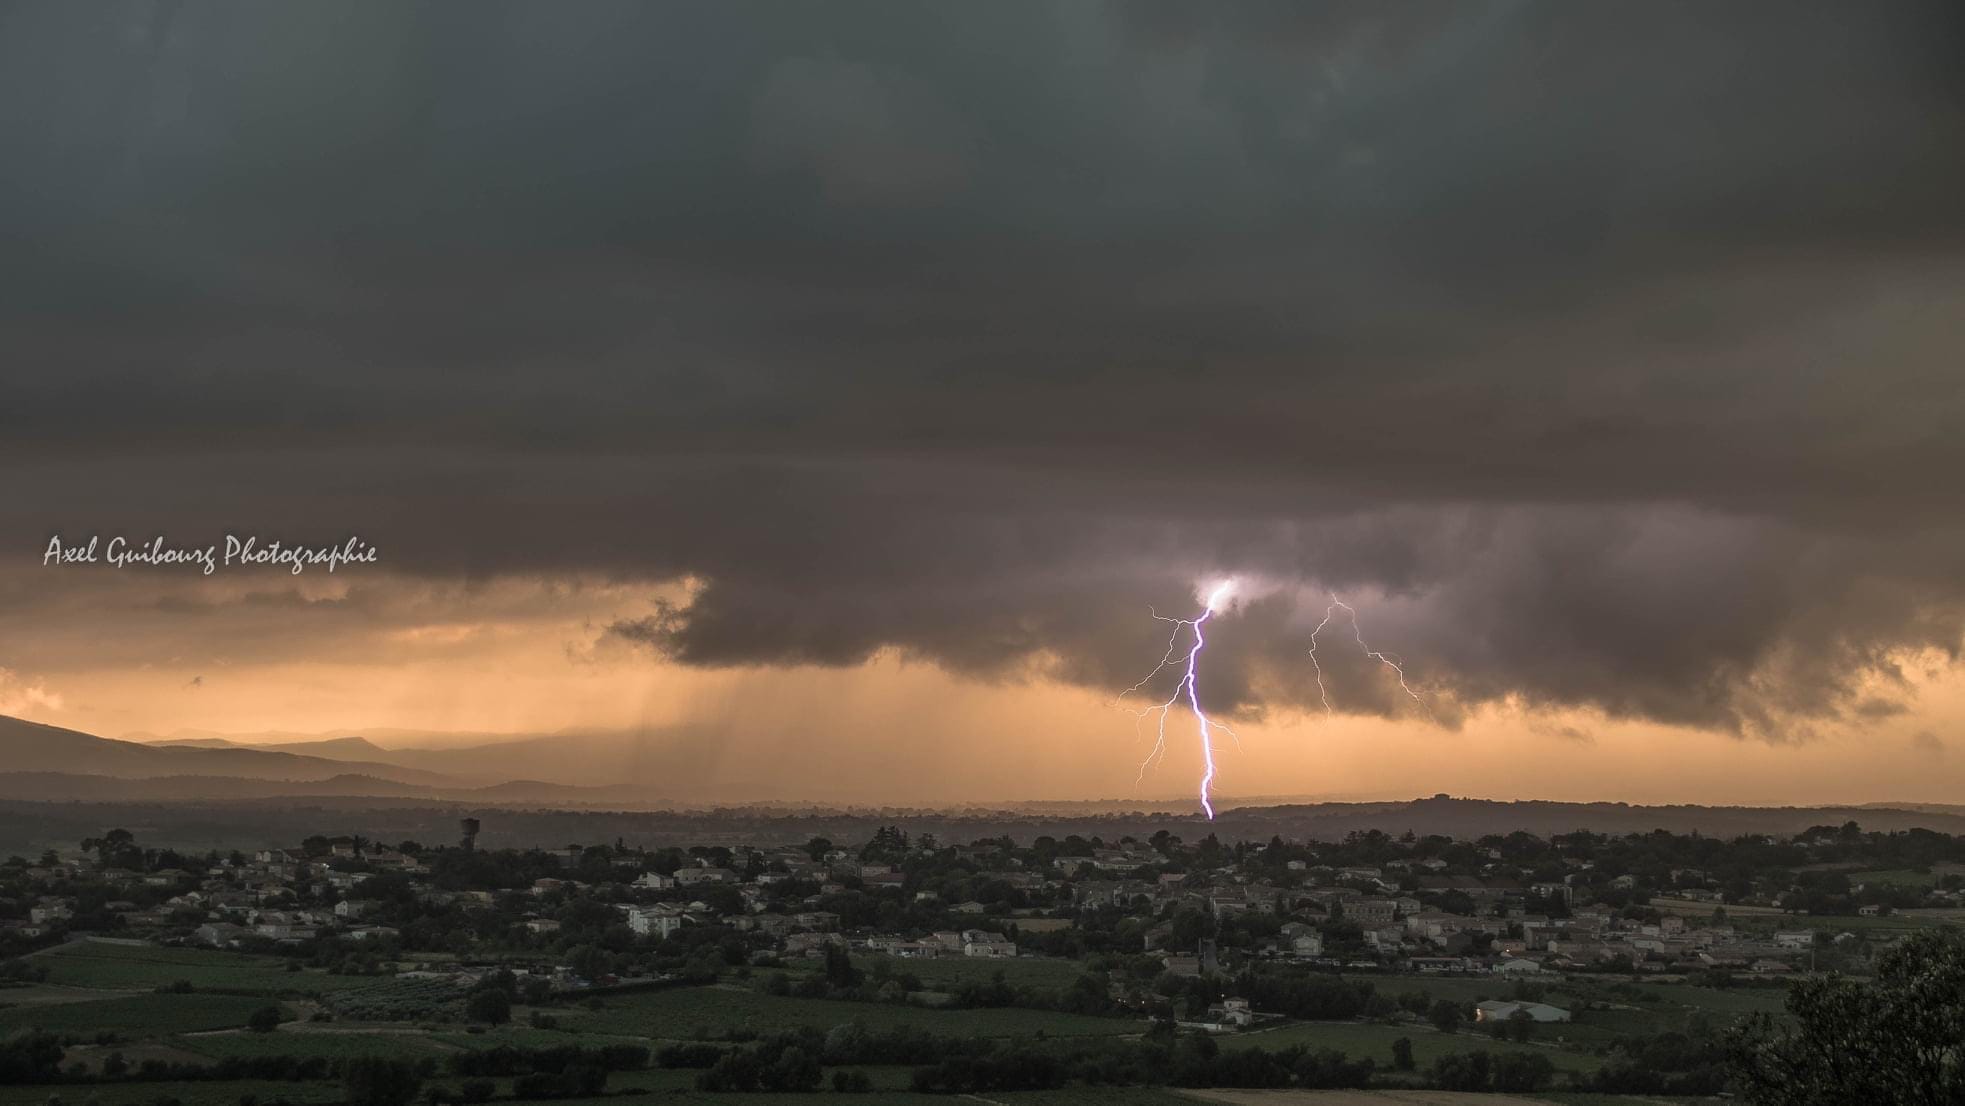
(141, 1015)
(1094, 1096)
(395, 999)
(952, 971)
(200, 1093)
(1454, 987)
(1720, 1000)
(1895, 877)
(147, 967)
(309, 1043)
(524, 1036)
(1374, 1041)
(709, 1012)
(1425, 1098)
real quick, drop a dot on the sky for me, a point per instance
(840, 391)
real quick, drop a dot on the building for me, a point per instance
(660, 920)
(1371, 913)
(689, 877)
(1498, 1010)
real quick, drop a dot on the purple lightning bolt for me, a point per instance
(1186, 689)
(1390, 661)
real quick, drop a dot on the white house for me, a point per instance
(660, 920)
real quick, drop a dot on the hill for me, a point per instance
(34, 747)
(334, 748)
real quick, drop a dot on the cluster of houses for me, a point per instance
(1408, 914)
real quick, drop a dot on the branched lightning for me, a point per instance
(1390, 661)
(1183, 653)
(1185, 689)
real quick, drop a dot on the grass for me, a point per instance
(951, 971)
(697, 1012)
(823, 1098)
(1456, 988)
(523, 1036)
(190, 1094)
(145, 967)
(1720, 1000)
(1093, 1096)
(1898, 877)
(135, 1015)
(1361, 1040)
(307, 1044)
(1586, 1098)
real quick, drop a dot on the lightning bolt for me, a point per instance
(1185, 689)
(1388, 660)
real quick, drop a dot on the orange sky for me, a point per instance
(524, 656)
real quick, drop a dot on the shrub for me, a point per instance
(379, 1081)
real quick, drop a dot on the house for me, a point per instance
(218, 934)
(661, 920)
(1499, 1010)
(690, 877)
(1370, 913)
(1798, 940)
(983, 943)
(655, 881)
(1182, 965)
(1231, 1012)
(1303, 940)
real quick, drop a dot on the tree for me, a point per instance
(264, 1020)
(794, 1070)
(491, 1005)
(1899, 1038)
(117, 848)
(840, 972)
(1462, 1072)
(1402, 1054)
(1445, 1015)
(1521, 1026)
(32, 1057)
(1522, 1072)
(379, 1081)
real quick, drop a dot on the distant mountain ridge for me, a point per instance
(33, 747)
(568, 758)
(75, 787)
(333, 747)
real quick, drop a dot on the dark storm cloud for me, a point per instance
(1611, 353)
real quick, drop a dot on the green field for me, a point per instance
(135, 1015)
(1458, 988)
(949, 971)
(1897, 877)
(823, 1098)
(1369, 1039)
(524, 1036)
(146, 967)
(1720, 1001)
(710, 1011)
(1093, 1096)
(309, 1043)
(190, 1094)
